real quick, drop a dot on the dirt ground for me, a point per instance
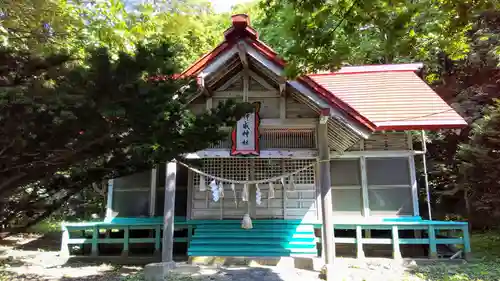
(36, 258)
(30, 257)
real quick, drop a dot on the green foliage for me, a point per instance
(67, 125)
(44, 27)
(323, 35)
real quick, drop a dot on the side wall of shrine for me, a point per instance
(374, 177)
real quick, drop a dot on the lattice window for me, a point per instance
(229, 168)
(240, 169)
(267, 168)
(287, 138)
(304, 177)
(278, 138)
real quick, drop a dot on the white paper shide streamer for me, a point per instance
(258, 195)
(271, 191)
(233, 188)
(291, 184)
(215, 190)
(221, 190)
(244, 194)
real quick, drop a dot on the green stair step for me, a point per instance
(270, 232)
(253, 235)
(215, 241)
(244, 254)
(262, 226)
(250, 248)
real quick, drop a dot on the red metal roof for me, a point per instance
(381, 97)
(391, 98)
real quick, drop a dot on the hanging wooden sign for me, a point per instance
(245, 136)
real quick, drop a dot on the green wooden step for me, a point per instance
(258, 228)
(253, 235)
(221, 241)
(283, 244)
(250, 249)
(270, 232)
(244, 254)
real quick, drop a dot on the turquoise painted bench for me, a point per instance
(154, 224)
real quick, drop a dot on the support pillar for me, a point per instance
(328, 236)
(109, 201)
(168, 213)
(152, 194)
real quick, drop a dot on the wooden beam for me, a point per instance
(261, 81)
(243, 55)
(168, 212)
(152, 194)
(277, 153)
(364, 187)
(282, 85)
(203, 87)
(283, 108)
(328, 235)
(109, 203)
(367, 154)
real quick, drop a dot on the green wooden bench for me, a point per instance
(154, 224)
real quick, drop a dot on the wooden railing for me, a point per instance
(97, 233)
(91, 232)
(410, 223)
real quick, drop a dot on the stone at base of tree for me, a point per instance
(158, 271)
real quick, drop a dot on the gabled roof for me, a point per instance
(378, 97)
(391, 96)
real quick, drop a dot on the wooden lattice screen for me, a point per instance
(280, 138)
(296, 204)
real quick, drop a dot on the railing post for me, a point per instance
(64, 242)
(126, 238)
(432, 243)
(359, 242)
(157, 239)
(466, 239)
(396, 251)
(95, 236)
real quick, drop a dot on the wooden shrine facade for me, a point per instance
(357, 126)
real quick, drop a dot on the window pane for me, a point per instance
(388, 171)
(139, 180)
(131, 203)
(396, 201)
(345, 172)
(347, 201)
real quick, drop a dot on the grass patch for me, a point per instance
(46, 226)
(484, 266)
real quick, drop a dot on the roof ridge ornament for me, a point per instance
(240, 28)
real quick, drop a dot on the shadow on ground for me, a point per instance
(45, 242)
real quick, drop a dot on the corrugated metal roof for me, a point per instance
(390, 98)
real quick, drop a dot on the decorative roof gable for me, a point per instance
(375, 97)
